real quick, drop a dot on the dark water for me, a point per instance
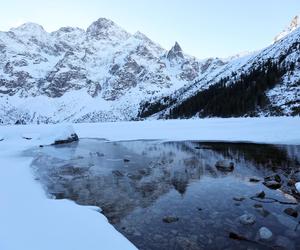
(142, 185)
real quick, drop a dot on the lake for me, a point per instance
(181, 195)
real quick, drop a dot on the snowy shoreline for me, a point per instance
(31, 221)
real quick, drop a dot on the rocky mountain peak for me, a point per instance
(175, 52)
(295, 23)
(30, 29)
(105, 29)
(101, 23)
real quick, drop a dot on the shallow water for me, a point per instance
(142, 185)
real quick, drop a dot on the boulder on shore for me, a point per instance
(65, 135)
(72, 138)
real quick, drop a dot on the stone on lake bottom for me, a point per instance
(263, 212)
(272, 184)
(254, 180)
(291, 212)
(261, 195)
(265, 234)
(247, 219)
(170, 219)
(239, 198)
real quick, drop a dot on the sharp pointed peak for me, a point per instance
(100, 24)
(177, 47)
(175, 52)
(104, 28)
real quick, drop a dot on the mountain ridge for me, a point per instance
(103, 73)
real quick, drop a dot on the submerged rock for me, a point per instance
(265, 234)
(275, 177)
(170, 219)
(254, 180)
(272, 184)
(263, 211)
(291, 212)
(235, 236)
(225, 166)
(297, 185)
(261, 195)
(239, 198)
(247, 219)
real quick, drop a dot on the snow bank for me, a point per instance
(28, 219)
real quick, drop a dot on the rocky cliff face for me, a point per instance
(106, 73)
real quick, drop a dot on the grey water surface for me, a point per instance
(170, 195)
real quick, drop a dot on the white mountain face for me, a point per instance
(105, 73)
(100, 74)
(295, 23)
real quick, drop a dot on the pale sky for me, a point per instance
(202, 28)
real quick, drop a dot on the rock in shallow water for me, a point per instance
(297, 185)
(272, 184)
(247, 219)
(239, 198)
(265, 234)
(274, 177)
(72, 138)
(291, 212)
(170, 219)
(263, 212)
(255, 180)
(261, 195)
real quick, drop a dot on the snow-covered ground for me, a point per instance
(30, 221)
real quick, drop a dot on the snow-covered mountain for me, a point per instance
(100, 74)
(263, 83)
(106, 74)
